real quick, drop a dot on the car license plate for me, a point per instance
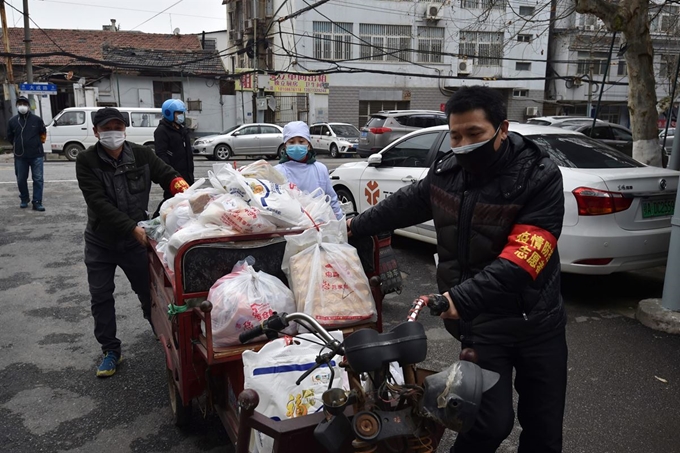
(364, 134)
(657, 208)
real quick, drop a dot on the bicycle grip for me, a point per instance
(245, 337)
(437, 304)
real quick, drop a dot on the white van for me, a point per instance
(70, 132)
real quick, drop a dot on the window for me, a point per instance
(526, 10)
(269, 130)
(622, 69)
(162, 91)
(195, 106)
(485, 47)
(599, 133)
(367, 108)
(145, 119)
(249, 130)
(666, 21)
(597, 59)
(411, 152)
(430, 44)
(581, 152)
(622, 134)
(126, 115)
(520, 93)
(72, 119)
(332, 41)
(522, 66)
(525, 38)
(385, 42)
(421, 120)
(325, 130)
(589, 21)
(483, 4)
(210, 44)
(315, 130)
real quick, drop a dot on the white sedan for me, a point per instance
(617, 210)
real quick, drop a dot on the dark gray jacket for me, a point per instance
(23, 132)
(491, 240)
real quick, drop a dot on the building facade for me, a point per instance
(384, 54)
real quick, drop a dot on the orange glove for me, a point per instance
(178, 185)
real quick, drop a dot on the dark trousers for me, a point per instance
(540, 381)
(21, 167)
(101, 266)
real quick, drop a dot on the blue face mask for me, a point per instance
(180, 119)
(296, 152)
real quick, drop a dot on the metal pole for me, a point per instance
(671, 286)
(10, 72)
(604, 81)
(590, 84)
(674, 163)
(669, 115)
(27, 43)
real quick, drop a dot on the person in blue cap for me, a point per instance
(300, 167)
(173, 144)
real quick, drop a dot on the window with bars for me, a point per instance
(622, 69)
(483, 4)
(430, 44)
(162, 91)
(524, 38)
(385, 42)
(332, 40)
(667, 66)
(485, 47)
(598, 60)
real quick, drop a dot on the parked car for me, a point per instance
(669, 139)
(613, 135)
(254, 139)
(617, 210)
(556, 120)
(385, 127)
(334, 138)
(70, 132)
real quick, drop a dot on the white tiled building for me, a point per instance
(581, 45)
(402, 54)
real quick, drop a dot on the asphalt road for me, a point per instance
(624, 379)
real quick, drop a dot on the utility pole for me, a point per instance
(9, 83)
(590, 84)
(27, 47)
(260, 54)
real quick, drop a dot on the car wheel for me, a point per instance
(222, 152)
(345, 196)
(72, 150)
(334, 151)
(279, 152)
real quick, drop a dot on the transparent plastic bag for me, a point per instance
(261, 169)
(153, 228)
(244, 298)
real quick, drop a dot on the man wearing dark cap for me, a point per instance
(115, 177)
(26, 132)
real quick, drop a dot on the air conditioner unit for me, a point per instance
(191, 123)
(464, 67)
(432, 12)
(532, 111)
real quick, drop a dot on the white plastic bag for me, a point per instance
(191, 231)
(243, 299)
(272, 372)
(328, 280)
(261, 169)
(233, 213)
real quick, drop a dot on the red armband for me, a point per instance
(530, 248)
(178, 185)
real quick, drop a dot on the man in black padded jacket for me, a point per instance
(497, 204)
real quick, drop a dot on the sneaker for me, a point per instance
(109, 364)
(37, 206)
(23, 205)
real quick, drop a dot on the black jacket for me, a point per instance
(23, 132)
(491, 241)
(117, 191)
(173, 146)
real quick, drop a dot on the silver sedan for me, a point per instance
(255, 139)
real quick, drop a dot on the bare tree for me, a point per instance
(631, 18)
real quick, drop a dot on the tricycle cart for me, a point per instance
(214, 376)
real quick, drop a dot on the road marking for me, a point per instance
(56, 180)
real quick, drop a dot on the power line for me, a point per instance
(157, 14)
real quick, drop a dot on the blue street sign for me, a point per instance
(45, 88)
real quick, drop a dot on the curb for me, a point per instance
(652, 314)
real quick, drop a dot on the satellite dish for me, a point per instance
(175, 31)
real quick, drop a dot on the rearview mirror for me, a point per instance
(374, 160)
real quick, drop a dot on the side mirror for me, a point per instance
(55, 123)
(374, 160)
(328, 133)
(236, 134)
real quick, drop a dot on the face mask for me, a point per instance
(296, 152)
(180, 119)
(23, 109)
(477, 158)
(112, 139)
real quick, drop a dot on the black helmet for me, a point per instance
(453, 396)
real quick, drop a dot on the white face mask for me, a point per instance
(112, 139)
(23, 109)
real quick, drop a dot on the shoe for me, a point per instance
(23, 205)
(109, 364)
(37, 206)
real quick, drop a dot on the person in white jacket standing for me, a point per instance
(300, 167)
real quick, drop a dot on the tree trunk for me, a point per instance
(642, 85)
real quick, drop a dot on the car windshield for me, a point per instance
(231, 129)
(345, 130)
(576, 151)
(539, 122)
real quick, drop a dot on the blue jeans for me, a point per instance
(21, 167)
